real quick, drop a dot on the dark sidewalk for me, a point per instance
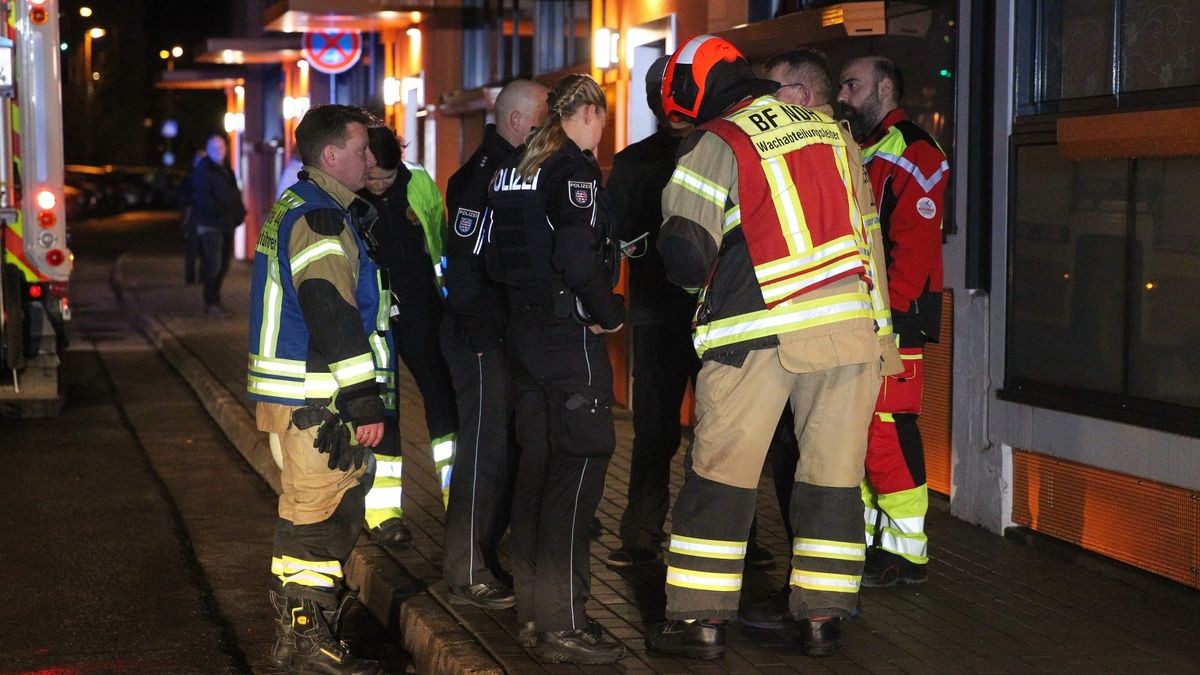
(992, 604)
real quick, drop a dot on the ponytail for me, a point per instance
(571, 94)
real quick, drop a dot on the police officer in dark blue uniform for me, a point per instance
(550, 247)
(472, 342)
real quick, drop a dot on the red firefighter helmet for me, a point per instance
(702, 67)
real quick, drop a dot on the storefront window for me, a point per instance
(562, 32)
(507, 39)
(1079, 55)
(1104, 255)
(1161, 44)
(1104, 268)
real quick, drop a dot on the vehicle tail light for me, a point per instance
(55, 257)
(46, 200)
(35, 291)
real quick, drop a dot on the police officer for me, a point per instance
(549, 247)
(765, 212)
(909, 173)
(406, 241)
(472, 335)
(319, 350)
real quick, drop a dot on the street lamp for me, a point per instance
(91, 34)
(90, 86)
(170, 56)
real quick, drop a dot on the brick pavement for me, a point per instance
(992, 604)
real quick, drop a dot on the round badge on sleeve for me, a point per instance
(926, 208)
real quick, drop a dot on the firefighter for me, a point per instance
(804, 79)
(320, 350)
(549, 247)
(766, 213)
(406, 242)
(909, 173)
(472, 341)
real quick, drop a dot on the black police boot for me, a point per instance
(285, 639)
(695, 640)
(318, 651)
(484, 596)
(581, 646)
(819, 637)
(770, 613)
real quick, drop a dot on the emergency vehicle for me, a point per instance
(36, 263)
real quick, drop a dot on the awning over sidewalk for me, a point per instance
(298, 16)
(197, 79)
(273, 49)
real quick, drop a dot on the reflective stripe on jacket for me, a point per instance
(797, 265)
(803, 234)
(283, 367)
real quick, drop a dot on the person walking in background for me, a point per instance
(765, 213)
(473, 344)
(320, 355)
(909, 173)
(216, 211)
(187, 224)
(549, 246)
(406, 241)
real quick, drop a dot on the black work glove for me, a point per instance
(336, 438)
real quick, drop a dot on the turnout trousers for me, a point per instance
(737, 412)
(416, 332)
(565, 428)
(320, 514)
(895, 494)
(480, 483)
(664, 361)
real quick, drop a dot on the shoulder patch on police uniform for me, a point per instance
(465, 222)
(579, 192)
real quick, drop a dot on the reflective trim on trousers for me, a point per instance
(825, 581)
(913, 547)
(387, 466)
(823, 548)
(708, 548)
(318, 574)
(704, 581)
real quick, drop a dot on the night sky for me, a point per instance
(123, 122)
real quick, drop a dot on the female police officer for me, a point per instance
(549, 247)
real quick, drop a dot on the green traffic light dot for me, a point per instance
(944, 72)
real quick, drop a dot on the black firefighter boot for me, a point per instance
(285, 639)
(318, 651)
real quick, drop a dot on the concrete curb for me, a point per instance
(437, 642)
